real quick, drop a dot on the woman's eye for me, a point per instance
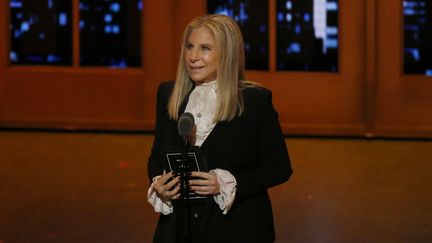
(205, 48)
(189, 46)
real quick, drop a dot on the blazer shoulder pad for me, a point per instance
(257, 95)
(165, 88)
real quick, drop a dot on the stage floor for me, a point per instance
(91, 187)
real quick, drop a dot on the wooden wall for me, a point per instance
(368, 97)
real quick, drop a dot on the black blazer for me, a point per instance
(252, 148)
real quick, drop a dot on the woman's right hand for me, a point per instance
(165, 189)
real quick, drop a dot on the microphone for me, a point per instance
(185, 124)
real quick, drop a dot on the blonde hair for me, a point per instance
(230, 72)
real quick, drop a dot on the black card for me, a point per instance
(193, 161)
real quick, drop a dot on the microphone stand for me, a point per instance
(184, 234)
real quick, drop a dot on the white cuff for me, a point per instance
(159, 206)
(227, 185)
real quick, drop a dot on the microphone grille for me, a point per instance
(185, 124)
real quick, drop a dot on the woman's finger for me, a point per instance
(165, 177)
(199, 182)
(176, 196)
(205, 190)
(161, 184)
(200, 174)
(175, 192)
(172, 183)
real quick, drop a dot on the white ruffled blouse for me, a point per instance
(202, 105)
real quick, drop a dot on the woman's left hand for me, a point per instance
(204, 183)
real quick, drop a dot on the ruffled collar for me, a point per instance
(211, 84)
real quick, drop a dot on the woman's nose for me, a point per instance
(194, 56)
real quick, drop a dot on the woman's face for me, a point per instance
(201, 56)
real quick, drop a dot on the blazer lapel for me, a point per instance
(210, 137)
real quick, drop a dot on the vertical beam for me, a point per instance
(159, 57)
(371, 70)
(4, 54)
(273, 35)
(75, 34)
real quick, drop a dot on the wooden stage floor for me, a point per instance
(91, 187)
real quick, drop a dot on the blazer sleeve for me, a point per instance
(155, 165)
(274, 166)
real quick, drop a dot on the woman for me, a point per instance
(237, 131)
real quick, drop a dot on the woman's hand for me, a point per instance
(165, 190)
(204, 183)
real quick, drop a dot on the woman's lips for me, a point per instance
(197, 68)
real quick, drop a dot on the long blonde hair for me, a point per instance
(230, 71)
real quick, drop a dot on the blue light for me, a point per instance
(118, 64)
(294, 48)
(332, 30)
(414, 52)
(243, 15)
(41, 35)
(428, 72)
(25, 26)
(13, 56)
(222, 11)
(52, 58)
(263, 28)
(140, 5)
(297, 29)
(115, 7)
(50, 4)
(332, 6)
(412, 27)
(332, 43)
(15, 4)
(288, 5)
(81, 24)
(306, 17)
(280, 16)
(409, 12)
(83, 6)
(62, 19)
(288, 17)
(116, 29)
(33, 19)
(108, 18)
(17, 34)
(108, 29)
(225, 11)
(409, 4)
